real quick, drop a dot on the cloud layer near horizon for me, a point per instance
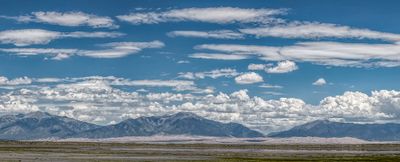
(99, 100)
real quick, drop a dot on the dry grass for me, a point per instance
(92, 151)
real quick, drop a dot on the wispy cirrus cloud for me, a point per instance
(120, 49)
(270, 86)
(345, 54)
(66, 19)
(183, 62)
(316, 30)
(177, 85)
(219, 15)
(174, 84)
(225, 72)
(109, 50)
(218, 56)
(322, 53)
(155, 83)
(26, 37)
(242, 51)
(54, 53)
(218, 34)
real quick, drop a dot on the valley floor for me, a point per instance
(116, 151)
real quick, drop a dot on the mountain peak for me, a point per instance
(328, 129)
(37, 115)
(37, 125)
(319, 121)
(185, 114)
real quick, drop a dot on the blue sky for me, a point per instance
(310, 51)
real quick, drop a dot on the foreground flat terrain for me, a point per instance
(106, 151)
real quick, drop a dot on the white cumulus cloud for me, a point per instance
(256, 66)
(100, 100)
(282, 67)
(320, 82)
(249, 78)
(4, 81)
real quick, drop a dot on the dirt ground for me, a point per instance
(100, 151)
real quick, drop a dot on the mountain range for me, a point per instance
(182, 123)
(41, 125)
(326, 128)
(38, 125)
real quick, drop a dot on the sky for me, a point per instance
(269, 65)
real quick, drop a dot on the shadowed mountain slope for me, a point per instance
(177, 124)
(325, 128)
(38, 125)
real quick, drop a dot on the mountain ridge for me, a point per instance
(38, 124)
(328, 129)
(182, 123)
(41, 125)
